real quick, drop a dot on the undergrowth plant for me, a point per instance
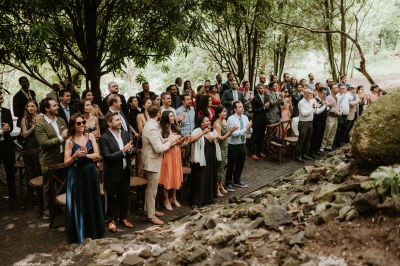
(387, 178)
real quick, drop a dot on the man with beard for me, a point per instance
(51, 133)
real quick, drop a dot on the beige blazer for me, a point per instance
(153, 146)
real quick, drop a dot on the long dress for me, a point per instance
(171, 175)
(85, 217)
(285, 110)
(221, 165)
(204, 178)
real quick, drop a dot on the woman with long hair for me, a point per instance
(96, 110)
(85, 217)
(171, 175)
(221, 127)
(204, 107)
(248, 97)
(28, 122)
(205, 153)
(188, 90)
(133, 112)
(142, 118)
(286, 105)
(216, 99)
(92, 122)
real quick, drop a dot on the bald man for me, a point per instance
(114, 89)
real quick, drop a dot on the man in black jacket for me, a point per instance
(228, 84)
(113, 89)
(65, 110)
(260, 105)
(145, 93)
(7, 150)
(116, 147)
(231, 96)
(21, 98)
(319, 123)
(296, 97)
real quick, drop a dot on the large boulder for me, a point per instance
(375, 137)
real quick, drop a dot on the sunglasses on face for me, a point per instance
(79, 123)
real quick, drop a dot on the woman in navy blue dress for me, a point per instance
(85, 218)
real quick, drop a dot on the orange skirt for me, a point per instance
(171, 175)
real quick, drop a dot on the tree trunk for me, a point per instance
(343, 39)
(329, 41)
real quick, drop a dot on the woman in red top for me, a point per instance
(216, 99)
(205, 108)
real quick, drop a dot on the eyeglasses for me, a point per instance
(79, 123)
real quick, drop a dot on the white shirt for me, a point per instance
(235, 95)
(54, 124)
(345, 102)
(306, 110)
(118, 138)
(168, 109)
(239, 135)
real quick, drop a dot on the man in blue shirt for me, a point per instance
(236, 146)
(187, 114)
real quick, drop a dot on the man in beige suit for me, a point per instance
(153, 148)
(51, 133)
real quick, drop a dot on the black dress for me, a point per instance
(85, 217)
(204, 178)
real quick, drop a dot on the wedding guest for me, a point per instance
(273, 113)
(167, 103)
(30, 119)
(115, 106)
(51, 133)
(286, 106)
(153, 149)
(55, 89)
(363, 100)
(231, 95)
(216, 100)
(296, 97)
(221, 127)
(354, 102)
(66, 109)
(186, 125)
(116, 147)
(205, 108)
(319, 124)
(21, 98)
(171, 175)
(133, 111)
(260, 106)
(114, 90)
(96, 110)
(334, 112)
(156, 99)
(237, 147)
(92, 123)
(7, 151)
(187, 90)
(75, 98)
(145, 93)
(248, 97)
(204, 156)
(84, 212)
(143, 117)
(374, 94)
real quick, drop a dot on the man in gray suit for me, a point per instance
(274, 111)
(152, 154)
(231, 96)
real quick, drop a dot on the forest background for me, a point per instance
(132, 41)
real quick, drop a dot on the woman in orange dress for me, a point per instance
(286, 106)
(171, 175)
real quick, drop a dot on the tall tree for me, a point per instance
(232, 33)
(91, 37)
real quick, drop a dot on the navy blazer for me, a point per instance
(227, 100)
(61, 112)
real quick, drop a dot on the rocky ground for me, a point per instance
(325, 214)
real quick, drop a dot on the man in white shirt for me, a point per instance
(345, 107)
(307, 108)
(311, 83)
(115, 106)
(51, 133)
(236, 146)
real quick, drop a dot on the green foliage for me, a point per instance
(387, 179)
(140, 78)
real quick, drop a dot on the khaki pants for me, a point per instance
(151, 193)
(330, 132)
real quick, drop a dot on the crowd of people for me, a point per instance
(156, 136)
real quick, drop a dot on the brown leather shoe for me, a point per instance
(112, 227)
(159, 214)
(126, 223)
(155, 221)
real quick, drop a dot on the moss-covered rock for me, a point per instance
(375, 137)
